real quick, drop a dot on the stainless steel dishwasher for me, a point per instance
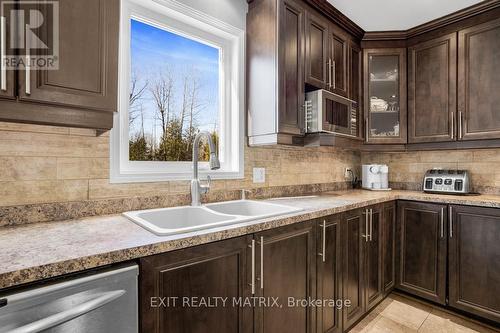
(102, 302)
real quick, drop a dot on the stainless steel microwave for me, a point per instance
(330, 113)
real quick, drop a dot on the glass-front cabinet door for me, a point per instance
(385, 96)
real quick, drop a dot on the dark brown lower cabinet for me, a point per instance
(363, 260)
(214, 270)
(359, 256)
(329, 274)
(474, 260)
(389, 247)
(286, 269)
(422, 249)
(353, 235)
(374, 292)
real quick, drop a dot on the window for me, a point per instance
(181, 72)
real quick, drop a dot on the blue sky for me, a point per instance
(154, 50)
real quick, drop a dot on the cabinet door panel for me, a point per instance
(291, 115)
(478, 83)
(389, 247)
(88, 59)
(432, 90)
(385, 96)
(329, 274)
(356, 83)
(354, 229)
(338, 54)
(213, 270)
(8, 89)
(373, 257)
(316, 62)
(288, 263)
(474, 254)
(423, 250)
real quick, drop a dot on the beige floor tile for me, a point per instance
(384, 325)
(384, 304)
(442, 322)
(365, 325)
(406, 312)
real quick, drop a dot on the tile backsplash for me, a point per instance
(45, 164)
(406, 170)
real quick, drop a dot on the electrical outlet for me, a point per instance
(348, 173)
(259, 175)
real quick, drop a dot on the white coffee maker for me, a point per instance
(376, 177)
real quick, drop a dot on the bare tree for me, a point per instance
(195, 106)
(162, 90)
(135, 96)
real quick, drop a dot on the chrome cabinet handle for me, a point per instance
(452, 125)
(261, 262)
(333, 74)
(323, 250)
(442, 222)
(460, 130)
(3, 75)
(27, 70)
(67, 315)
(366, 236)
(366, 128)
(252, 284)
(371, 225)
(329, 72)
(451, 222)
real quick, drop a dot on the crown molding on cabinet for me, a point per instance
(333, 14)
(345, 22)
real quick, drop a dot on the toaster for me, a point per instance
(447, 181)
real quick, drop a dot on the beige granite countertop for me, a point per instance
(37, 251)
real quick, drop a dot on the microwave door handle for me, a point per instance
(67, 315)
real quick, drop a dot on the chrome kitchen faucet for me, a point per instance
(196, 188)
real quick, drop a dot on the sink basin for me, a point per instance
(168, 221)
(176, 220)
(255, 209)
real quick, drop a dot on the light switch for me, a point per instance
(259, 175)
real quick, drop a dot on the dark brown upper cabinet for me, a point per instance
(474, 251)
(326, 60)
(432, 90)
(275, 59)
(87, 74)
(329, 273)
(338, 44)
(478, 82)
(286, 267)
(355, 79)
(7, 77)
(317, 52)
(385, 96)
(218, 269)
(422, 233)
(291, 87)
(83, 91)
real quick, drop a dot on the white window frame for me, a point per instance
(186, 21)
